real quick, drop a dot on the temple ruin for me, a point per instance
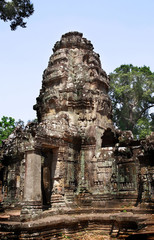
(73, 160)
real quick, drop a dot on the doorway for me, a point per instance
(48, 175)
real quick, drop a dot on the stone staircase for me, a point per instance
(7, 219)
(10, 215)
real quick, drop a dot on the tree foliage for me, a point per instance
(15, 11)
(132, 96)
(7, 125)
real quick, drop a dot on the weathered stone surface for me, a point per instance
(73, 157)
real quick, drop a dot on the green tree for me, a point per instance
(7, 125)
(15, 11)
(132, 96)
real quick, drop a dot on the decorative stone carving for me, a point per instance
(74, 157)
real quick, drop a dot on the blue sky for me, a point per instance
(121, 31)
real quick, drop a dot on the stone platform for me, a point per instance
(119, 224)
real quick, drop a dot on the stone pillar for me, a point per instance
(86, 155)
(32, 203)
(57, 196)
(84, 195)
(70, 174)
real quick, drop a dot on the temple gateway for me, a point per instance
(72, 160)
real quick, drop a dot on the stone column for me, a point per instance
(86, 154)
(57, 196)
(32, 204)
(83, 193)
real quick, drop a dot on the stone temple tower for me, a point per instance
(73, 156)
(74, 108)
(74, 92)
